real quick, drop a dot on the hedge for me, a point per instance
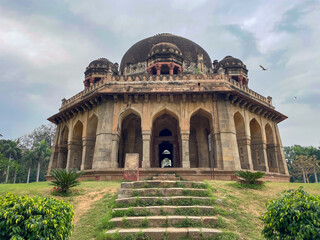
(34, 218)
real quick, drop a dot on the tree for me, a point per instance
(304, 165)
(291, 154)
(44, 132)
(3, 164)
(42, 152)
(29, 159)
(10, 149)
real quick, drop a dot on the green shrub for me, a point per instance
(34, 218)
(294, 215)
(250, 177)
(65, 180)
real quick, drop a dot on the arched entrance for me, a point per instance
(63, 150)
(165, 142)
(241, 140)
(271, 149)
(130, 138)
(76, 146)
(258, 160)
(199, 140)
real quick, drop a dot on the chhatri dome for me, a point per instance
(174, 108)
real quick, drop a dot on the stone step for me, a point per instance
(163, 184)
(159, 201)
(164, 221)
(169, 210)
(169, 233)
(129, 192)
(172, 178)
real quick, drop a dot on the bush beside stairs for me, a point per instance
(164, 208)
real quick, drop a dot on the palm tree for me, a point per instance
(42, 151)
(10, 149)
(29, 160)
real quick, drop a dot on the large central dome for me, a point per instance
(194, 57)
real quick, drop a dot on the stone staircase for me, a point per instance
(164, 208)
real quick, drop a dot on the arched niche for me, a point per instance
(200, 153)
(165, 137)
(76, 146)
(130, 138)
(271, 149)
(241, 140)
(257, 146)
(90, 141)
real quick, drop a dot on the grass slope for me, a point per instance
(240, 207)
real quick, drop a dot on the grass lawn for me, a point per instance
(243, 207)
(240, 207)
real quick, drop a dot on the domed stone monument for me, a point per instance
(168, 103)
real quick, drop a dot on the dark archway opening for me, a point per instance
(165, 154)
(165, 142)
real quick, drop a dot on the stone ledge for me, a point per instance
(129, 192)
(154, 221)
(158, 210)
(172, 233)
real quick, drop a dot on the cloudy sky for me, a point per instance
(45, 47)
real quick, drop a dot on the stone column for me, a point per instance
(203, 148)
(282, 164)
(158, 67)
(171, 68)
(185, 150)
(240, 79)
(217, 148)
(102, 152)
(71, 147)
(115, 150)
(248, 139)
(146, 137)
(87, 144)
(60, 157)
(248, 151)
(265, 157)
(230, 154)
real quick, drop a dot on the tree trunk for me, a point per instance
(315, 176)
(28, 174)
(304, 177)
(8, 169)
(38, 171)
(15, 176)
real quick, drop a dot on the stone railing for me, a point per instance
(160, 78)
(250, 92)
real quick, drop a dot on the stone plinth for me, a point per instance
(131, 169)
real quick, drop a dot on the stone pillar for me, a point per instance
(185, 150)
(230, 154)
(171, 68)
(248, 150)
(91, 81)
(265, 157)
(216, 135)
(146, 137)
(115, 150)
(158, 67)
(248, 138)
(283, 168)
(71, 147)
(60, 157)
(102, 151)
(87, 144)
(203, 148)
(240, 79)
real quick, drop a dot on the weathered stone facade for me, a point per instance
(201, 118)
